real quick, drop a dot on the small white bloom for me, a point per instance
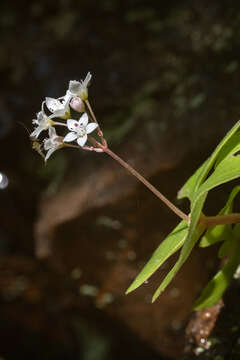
(53, 143)
(59, 107)
(79, 130)
(43, 121)
(80, 88)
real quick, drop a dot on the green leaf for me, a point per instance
(216, 152)
(196, 190)
(168, 247)
(215, 234)
(236, 231)
(231, 148)
(192, 185)
(226, 247)
(193, 235)
(214, 290)
(188, 189)
(218, 233)
(227, 170)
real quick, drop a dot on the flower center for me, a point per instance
(81, 131)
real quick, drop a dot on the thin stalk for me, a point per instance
(100, 133)
(91, 111)
(59, 123)
(147, 184)
(220, 220)
(71, 146)
(206, 221)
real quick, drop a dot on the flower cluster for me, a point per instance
(60, 112)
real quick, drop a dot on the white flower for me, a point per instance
(79, 88)
(59, 107)
(43, 121)
(79, 130)
(53, 143)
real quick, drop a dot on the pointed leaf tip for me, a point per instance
(172, 243)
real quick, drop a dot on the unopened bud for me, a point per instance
(77, 104)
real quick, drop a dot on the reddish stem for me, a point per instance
(208, 221)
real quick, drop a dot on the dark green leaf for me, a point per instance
(189, 188)
(218, 233)
(226, 247)
(168, 247)
(236, 231)
(193, 235)
(227, 170)
(216, 287)
(231, 148)
(192, 185)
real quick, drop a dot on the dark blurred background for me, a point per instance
(75, 233)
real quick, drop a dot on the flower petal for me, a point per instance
(70, 137)
(87, 79)
(47, 144)
(49, 153)
(82, 140)
(41, 117)
(67, 98)
(37, 131)
(91, 127)
(52, 132)
(74, 87)
(53, 104)
(42, 107)
(83, 120)
(58, 113)
(72, 124)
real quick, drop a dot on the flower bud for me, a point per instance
(77, 104)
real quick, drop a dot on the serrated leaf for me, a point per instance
(215, 289)
(218, 233)
(193, 235)
(192, 185)
(173, 242)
